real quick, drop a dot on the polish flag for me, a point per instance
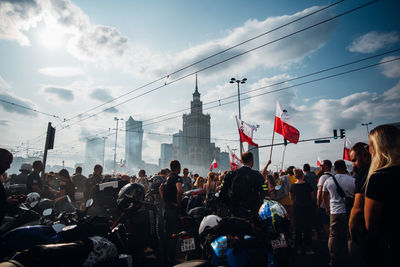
(346, 150)
(234, 161)
(319, 162)
(214, 165)
(283, 125)
(246, 131)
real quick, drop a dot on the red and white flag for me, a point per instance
(283, 125)
(234, 161)
(214, 165)
(246, 131)
(346, 150)
(319, 162)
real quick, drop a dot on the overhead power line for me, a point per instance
(209, 57)
(30, 109)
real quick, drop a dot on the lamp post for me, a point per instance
(115, 146)
(233, 80)
(366, 125)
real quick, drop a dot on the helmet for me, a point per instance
(208, 222)
(274, 216)
(26, 167)
(130, 194)
(31, 197)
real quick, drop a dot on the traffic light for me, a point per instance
(335, 134)
(342, 133)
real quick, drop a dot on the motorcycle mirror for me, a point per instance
(278, 187)
(58, 227)
(89, 202)
(217, 194)
(33, 204)
(47, 212)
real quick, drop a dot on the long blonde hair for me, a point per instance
(385, 141)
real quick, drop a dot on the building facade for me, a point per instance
(133, 143)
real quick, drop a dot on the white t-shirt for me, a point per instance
(347, 183)
(321, 183)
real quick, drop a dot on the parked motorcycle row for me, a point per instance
(123, 226)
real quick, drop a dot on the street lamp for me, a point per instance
(233, 80)
(115, 147)
(366, 125)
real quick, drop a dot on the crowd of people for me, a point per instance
(354, 211)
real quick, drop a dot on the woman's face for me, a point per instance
(371, 148)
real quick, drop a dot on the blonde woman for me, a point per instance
(199, 183)
(381, 196)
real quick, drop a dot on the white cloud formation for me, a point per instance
(19, 101)
(107, 46)
(391, 69)
(61, 71)
(60, 93)
(349, 111)
(4, 84)
(373, 41)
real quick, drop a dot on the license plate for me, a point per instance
(280, 242)
(188, 244)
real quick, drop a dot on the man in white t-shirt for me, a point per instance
(322, 220)
(336, 209)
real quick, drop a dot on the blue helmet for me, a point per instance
(274, 216)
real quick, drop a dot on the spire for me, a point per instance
(196, 93)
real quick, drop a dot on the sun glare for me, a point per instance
(51, 38)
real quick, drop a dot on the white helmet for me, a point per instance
(208, 222)
(31, 197)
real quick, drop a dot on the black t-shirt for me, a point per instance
(3, 202)
(170, 191)
(360, 179)
(33, 179)
(301, 194)
(383, 186)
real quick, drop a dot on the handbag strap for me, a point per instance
(339, 189)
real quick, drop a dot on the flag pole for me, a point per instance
(283, 157)
(272, 144)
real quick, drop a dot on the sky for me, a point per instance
(79, 64)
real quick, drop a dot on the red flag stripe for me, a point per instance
(287, 131)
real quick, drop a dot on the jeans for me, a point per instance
(171, 227)
(338, 237)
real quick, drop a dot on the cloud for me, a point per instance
(391, 69)
(61, 71)
(4, 122)
(262, 108)
(101, 94)
(3, 83)
(8, 97)
(373, 41)
(349, 111)
(61, 93)
(107, 46)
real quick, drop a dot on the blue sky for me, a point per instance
(66, 57)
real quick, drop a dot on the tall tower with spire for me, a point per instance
(196, 134)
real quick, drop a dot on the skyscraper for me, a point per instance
(133, 142)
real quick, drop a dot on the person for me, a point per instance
(80, 182)
(336, 209)
(6, 159)
(302, 195)
(67, 187)
(361, 159)
(310, 177)
(199, 183)
(211, 186)
(143, 179)
(270, 182)
(93, 180)
(187, 181)
(381, 199)
(21, 178)
(322, 219)
(34, 182)
(285, 182)
(171, 192)
(244, 189)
